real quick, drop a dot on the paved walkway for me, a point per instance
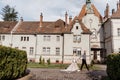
(56, 74)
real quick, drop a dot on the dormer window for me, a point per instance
(76, 27)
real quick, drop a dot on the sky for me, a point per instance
(52, 10)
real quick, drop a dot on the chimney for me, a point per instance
(41, 20)
(70, 19)
(118, 5)
(66, 17)
(107, 11)
(21, 18)
(113, 11)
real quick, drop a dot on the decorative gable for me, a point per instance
(76, 29)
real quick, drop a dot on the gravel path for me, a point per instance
(57, 74)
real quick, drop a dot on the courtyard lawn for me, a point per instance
(54, 66)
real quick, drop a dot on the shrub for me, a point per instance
(113, 66)
(43, 61)
(13, 63)
(48, 61)
(40, 60)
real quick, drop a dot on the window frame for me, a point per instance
(48, 50)
(118, 31)
(31, 51)
(44, 50)
(3, 38)
(57, 38)
(57, 51)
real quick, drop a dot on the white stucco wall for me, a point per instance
(92, 22)
(53, 44)
(16, 42)
(115, 38)
(83, 45)
(111, 38)
(7, 40)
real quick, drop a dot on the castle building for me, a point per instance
(59, 40)
(112, 31)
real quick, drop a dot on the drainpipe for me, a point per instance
(63, 49)
(90, 49)
(14, 29)
(35, 46)
(11, 34)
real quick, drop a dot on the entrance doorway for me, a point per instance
(94, 55)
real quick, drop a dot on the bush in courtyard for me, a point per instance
(113, 66)
(40, 60)
(13, 63)
(48, 61)
(43, 61)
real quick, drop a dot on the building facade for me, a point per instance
(60, 40)
(112, 31)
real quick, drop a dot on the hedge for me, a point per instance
(13, 63)
(113, 66)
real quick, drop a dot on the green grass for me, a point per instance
(94, 67)
(54, 66)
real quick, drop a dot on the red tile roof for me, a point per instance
(33, 27)
(83, 27)
(116, 15)
(28, 27)
(7, 26)
(55, 27)
(84, 12)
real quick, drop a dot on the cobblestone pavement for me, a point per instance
(57, 74)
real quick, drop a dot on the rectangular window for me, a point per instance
(24, 38)
(57, 51)
(74, 38)
(77, 51)
(24, 48)
(44, 38)
(21, 38)
(0, 37)
(58, 38)
(16, 47)
(76, 27)
(74, 50)
(48, 50)
(3, 37)
(118, 31)
(119, 50)
(44, 50)
(48, 38)
(31, 50)
(79, 38)
(27, 38)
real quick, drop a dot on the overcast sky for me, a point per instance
(52, 9)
